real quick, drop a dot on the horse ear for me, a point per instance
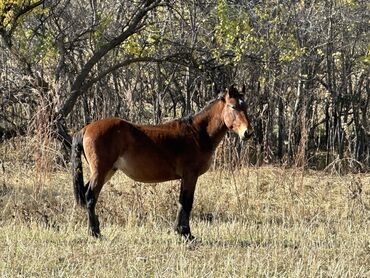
(222, 95)
(226, 95)
(232, 92)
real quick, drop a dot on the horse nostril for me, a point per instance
(248, 134)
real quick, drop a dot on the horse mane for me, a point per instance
(188, 119)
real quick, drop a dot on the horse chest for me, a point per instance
(205, 166)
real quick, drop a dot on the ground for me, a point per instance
(252, 222)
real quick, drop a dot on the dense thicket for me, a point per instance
(305, 63)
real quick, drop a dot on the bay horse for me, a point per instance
(178, 149)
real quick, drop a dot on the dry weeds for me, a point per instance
(271, 222)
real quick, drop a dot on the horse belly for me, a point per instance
(146, 169)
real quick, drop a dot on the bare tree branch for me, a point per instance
(131, 29)
(170, 58)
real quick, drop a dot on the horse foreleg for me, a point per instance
(182, 225)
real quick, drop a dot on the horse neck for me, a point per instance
(210, 124)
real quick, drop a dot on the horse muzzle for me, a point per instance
(247, 134)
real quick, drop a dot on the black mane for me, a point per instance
(188, 119)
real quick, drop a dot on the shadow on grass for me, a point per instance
(198, 243)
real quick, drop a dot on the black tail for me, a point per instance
(77, 174)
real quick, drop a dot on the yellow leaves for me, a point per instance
(289, 49)
(287, 57)
(9, 10)
(301, 4)
(36, 48)
(320, 52)
(351, 3)
(235, 36)
(140, 44)
(232, 32)
(132, 45)
(43, 51)
(47, 50)
(6, 12)
(366, 58)
(98, 35)
(262, 13)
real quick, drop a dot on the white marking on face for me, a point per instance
(242, 133)
(245, 131)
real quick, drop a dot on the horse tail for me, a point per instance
(77, 174)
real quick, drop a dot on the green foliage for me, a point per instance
(7, 11)
(268, 44)
(10, 12)
(141, 44)
(98, 35)
(132, 45)
(351, 3)
(39, 48)
(233, 32)
(146, 41)
(46, 50)
(365, 59)
(36, 47)
(136, 45)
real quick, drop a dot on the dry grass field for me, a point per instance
(254, 222)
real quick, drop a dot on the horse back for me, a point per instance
(145, 153)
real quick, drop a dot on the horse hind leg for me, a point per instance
(92, 194)
(95, 185)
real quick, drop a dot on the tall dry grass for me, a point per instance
(252, 222)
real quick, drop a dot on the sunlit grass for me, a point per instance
(252, 222)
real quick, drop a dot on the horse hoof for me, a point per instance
(95, 234)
